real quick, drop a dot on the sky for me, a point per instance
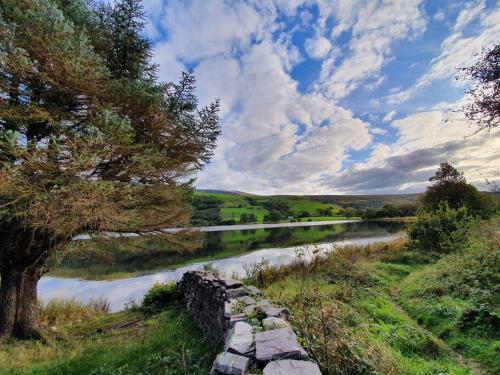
(331, 96)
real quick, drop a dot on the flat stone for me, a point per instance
(247, 300)
(236, 293)
(230, 364)
(241, 340)
(254, 290)
(236, 318)
(264, 303)
(230, 283)
(278, 344)
(274, 323)
(276, 312)
(291, 367)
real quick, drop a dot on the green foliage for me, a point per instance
(345, 317)
(458, 299)
(441, 232)
(206, 210)
(247, 218)
(159, 297)
(451, 188)
(273, 217)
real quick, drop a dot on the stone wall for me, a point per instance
(256, 334)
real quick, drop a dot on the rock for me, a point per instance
(230, 283)
(236, 318)
(264, 303)
(274, 323)
(276, 312)
(228, 309)
(278, 344)
(249, 309)
(230, 364)
(254, 290)
(240, 339)
(291, 367)
(236, 293)
(247, 300)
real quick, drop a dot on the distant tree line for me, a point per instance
(386, 211)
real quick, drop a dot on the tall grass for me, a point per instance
(59, 312)
(344, 315)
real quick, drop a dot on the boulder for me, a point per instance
(241, 340)
(230, 364)
(291, 367)
(278, 344)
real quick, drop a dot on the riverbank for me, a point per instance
(362, 309)
(386, 310)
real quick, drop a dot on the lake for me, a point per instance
(229, 251)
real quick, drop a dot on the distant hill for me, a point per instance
(230, 192)
(213, 206)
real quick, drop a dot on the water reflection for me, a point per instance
(278, 246)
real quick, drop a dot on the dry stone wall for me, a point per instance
(256, 334)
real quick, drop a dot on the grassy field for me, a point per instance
(230, 206)
(86, 341)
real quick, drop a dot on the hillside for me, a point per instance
(213, 207)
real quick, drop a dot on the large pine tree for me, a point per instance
(89, 139)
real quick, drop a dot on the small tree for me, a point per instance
(89, 139)
(451, 188)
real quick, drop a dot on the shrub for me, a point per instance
(442, 232)
(160, 296)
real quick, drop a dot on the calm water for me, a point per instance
(228, 251)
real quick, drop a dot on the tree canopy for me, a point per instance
(483, 105)
(450, 188)
(90, 139)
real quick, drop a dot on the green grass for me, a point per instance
(355, 313)
(120, 343)
(374, 336)
(458, 298)
(233, 205)
(234, 213)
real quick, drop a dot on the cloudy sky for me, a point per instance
(331, 96)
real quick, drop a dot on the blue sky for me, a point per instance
(331, 96)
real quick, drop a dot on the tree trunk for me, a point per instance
(27, 324)
(9, 289)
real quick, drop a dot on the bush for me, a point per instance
(442, 232)
(159, 297)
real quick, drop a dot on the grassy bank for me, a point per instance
(382, 309)
(87, 340)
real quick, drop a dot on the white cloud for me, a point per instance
(378, 131)
(389, 116)
(277, 138)
(458, 49)
(318, 47)
(374, 31)
(424, 140)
